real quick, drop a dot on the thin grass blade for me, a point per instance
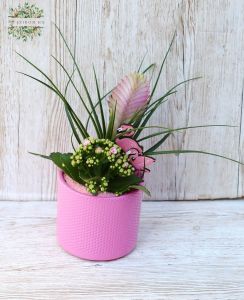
(78, 93)
(162, 65)
(192, 151)
(139, 69)
(82, 80)
(54, 88)
(68, 83)
(100, 104)
(158, 144)
(148, 68)
(72, 126)
(154, 106)
(71, 140)
(179, 129)
(78, 123)
(149, 114)
(95, 106)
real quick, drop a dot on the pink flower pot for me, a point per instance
(97, 227)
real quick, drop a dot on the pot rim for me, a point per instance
(63, 181)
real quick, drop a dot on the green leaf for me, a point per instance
(68, 82)
(72, 127)
(161, 67)
(179, 129)
(158, 144)
(71, 140)
(82, 100)
(139, 69)
(78, 123)
(122, 184)
(142, 188)
(158, 101)
(83, 82)
(63, 161)
(171, 90)
(85, 174)
(192, 151)
(111, 123)
(55, 89)
(148, 68)
(148, 113)
(100, 104)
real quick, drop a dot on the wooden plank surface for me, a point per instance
(115, 35)
(186, 251)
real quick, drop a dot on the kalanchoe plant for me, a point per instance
(113, 161)
(101, 164)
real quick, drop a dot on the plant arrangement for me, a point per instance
(114, 160)
(92, 222)
(25, 11)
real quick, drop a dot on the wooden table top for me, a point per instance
(186, 250)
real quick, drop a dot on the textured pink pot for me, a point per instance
(97, 227)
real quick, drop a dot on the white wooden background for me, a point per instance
(114, 35)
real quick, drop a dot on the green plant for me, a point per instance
(131, 105)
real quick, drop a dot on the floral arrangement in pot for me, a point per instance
(100, 184)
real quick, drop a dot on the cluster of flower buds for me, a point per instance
(98, 162)
(94, 186)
